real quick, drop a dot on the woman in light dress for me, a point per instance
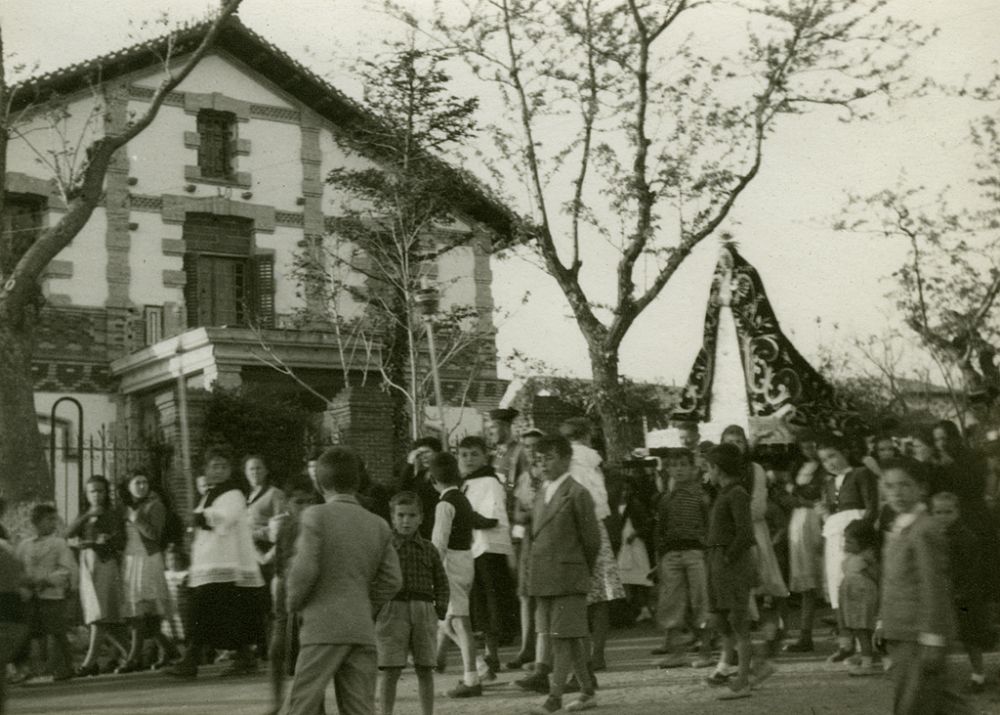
(606, 582)
(147, 599)
(805, 538)
(98, 535)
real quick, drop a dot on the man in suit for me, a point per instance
(565, 540)
(345, 568)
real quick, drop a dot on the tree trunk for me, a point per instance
(24, 474)
(397, 370)
(610, 401)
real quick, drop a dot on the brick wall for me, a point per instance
(361, 416)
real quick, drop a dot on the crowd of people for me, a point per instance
(526, 540)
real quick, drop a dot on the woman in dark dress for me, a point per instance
(964, 474)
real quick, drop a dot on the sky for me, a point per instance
(825, 286)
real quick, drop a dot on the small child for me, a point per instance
(49, 572)
(175, 624)
(859, 592)
(494, 595)
(406, 625)
(283, 530)
(732, 573)
(968, 579)
(917, 607)
(452, 537)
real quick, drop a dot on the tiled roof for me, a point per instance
(264, 57)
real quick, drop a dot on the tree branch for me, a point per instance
(18, 287)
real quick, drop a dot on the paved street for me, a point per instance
(631, 687)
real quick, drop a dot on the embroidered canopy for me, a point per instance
(782, 389)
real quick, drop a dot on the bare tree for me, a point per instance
(947, 288)
(636, 131)
(392, 229)
(80, 175)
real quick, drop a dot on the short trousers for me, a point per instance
(562, 616)
(404, 627)
(460, 568)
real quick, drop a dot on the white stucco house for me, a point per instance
(195, 240)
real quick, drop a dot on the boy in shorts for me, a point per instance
(565, 539)
(452, 537)
(494, 596)
(732, 574)
(408, 623)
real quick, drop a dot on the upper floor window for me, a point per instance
(226, 284)
(22, 221)
(216, 132)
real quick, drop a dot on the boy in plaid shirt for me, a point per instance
(408, 623)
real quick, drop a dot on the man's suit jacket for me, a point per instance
(565, 539)
(344, 569)
(916, 591)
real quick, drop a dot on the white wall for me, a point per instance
(274, 161)
(87, 251)
(456, 277)
(97, 410)
(147, 262)
(217, 73)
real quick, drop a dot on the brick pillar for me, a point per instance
(170, 427)
(116, 201)
(361, 417)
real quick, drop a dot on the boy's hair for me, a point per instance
(947, 498)
(405, 499)
(915, 470)
(863, 532)
(339, 470)
(444, 469)
(42, 511)
(680, 455)
(431, 442)
(728, 459)
(576, 428)
(302, 485)
(555, 444)
(833, 441)
(217, 451)
(474, 441)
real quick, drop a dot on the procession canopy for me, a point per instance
(784, 393)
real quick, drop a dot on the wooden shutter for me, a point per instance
(191, 290)
(263, 289)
